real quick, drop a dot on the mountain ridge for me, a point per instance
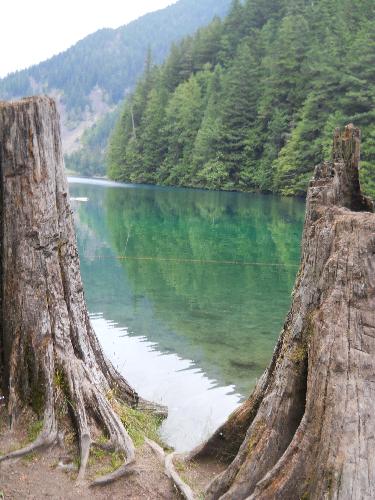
(108, 63)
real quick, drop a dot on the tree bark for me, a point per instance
(47, 343)
(308, 429)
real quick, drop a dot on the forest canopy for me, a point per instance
(249, 103)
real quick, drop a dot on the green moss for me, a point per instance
(299, 353)
(36, 393)
(330, 478)
(62, 392)
(256, 435)
(37, 398)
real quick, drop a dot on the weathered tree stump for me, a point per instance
(46, 338)
(308, 429)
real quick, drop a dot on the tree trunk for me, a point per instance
(47, 343)
(308, 429)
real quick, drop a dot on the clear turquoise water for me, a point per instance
(188, 291)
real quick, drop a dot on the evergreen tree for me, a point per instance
(182, 122)
(154, 144)
(250, 102)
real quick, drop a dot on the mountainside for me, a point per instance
(91, 77)
(250, 102)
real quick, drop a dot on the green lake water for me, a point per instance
(187, 291)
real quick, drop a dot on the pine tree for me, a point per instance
(249, 102)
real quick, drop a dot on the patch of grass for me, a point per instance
(102, 461)
(34, 430)
(109, 461)
(180, 466)
(30, 457)
(139, 424)
(97, 454)
(77, 461)
(116, 460)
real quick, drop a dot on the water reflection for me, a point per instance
(182, 288)
(195, 403)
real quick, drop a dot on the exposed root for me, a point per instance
(89, 401)
(85, 443)
(167, 461)
(49, 434)
(157, 449)
(124, 470)
(43, 441)
(185, 490)
(156, 409)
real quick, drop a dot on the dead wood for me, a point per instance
(48, 347)
(308, 429)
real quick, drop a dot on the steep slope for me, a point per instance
(249, 103)
(91, 77)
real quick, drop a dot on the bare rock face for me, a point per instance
(308, 429)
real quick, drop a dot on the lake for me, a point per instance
(187, 291)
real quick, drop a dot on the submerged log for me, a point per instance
(308, 429)
(49, 352)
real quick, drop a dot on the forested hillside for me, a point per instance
(250, 102)
(113, 59)
(93, 76)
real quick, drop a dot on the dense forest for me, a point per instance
(112, 59)
(250, 102)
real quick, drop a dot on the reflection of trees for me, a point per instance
(226, 317)
(229, 314)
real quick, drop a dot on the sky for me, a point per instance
(34, 30)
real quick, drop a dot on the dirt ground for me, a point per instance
(52, 473)
(38, 477)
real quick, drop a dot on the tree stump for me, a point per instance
(308, 429)
(47, 343)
